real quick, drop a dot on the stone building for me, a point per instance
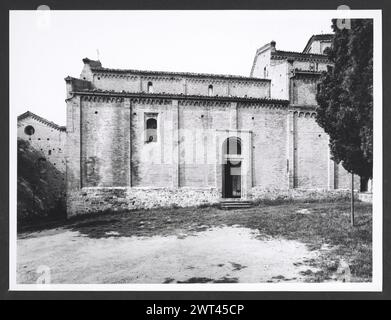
(139, 139)
(44, 136)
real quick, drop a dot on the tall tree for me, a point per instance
(345, 98)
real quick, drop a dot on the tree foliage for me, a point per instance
(345, 97)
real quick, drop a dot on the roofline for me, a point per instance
(270, 45)
(180, 96)
(40, 119)
(313, 37)
(182, 74)
(253, 66)
(293, 54)
(302, 107)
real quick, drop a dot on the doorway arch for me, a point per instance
(232, 168)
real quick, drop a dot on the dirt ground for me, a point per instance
(144, 247)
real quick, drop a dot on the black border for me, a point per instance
(6, 5)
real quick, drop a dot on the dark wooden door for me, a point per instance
(232, 179)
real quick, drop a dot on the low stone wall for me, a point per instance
(365, 197)
(95, 200)
(91, 200)
(261, 194)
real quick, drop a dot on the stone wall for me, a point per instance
(365, 197)
(298, 194)
(97, 200)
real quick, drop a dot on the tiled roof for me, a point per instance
(328, 37)
(180, 74)
(178, 96)
(40, 119)
(278, 54)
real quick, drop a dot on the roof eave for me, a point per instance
(180, 96)
(179, 74)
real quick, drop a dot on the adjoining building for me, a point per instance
(44, 136)
(41, 169)
(139, 139)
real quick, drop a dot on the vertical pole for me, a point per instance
(352, 203)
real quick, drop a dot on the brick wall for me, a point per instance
(197, 147)
(305, 65)
(319, 46)
(279, 71)
(151, 162)
(261, 65)
(311, 154)
(109, 157)
(304, 90)
(105, 136)
(46, 139)
(182, 85)
(268, 127)
(119, 83)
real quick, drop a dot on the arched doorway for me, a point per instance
(232, 168)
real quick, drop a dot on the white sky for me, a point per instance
(47, 46)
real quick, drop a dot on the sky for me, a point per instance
(47, 46)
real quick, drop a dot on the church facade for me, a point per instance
(143, 139)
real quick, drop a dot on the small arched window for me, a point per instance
(151, 135)
(29, 130)
(150, 87)
(210, 90)
(264, 72)
(232, 146)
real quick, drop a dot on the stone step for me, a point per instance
(235, 204)
(229, 202)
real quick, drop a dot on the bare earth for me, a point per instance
(228, 254)
(199, 246)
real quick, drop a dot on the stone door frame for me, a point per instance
(245, 137)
